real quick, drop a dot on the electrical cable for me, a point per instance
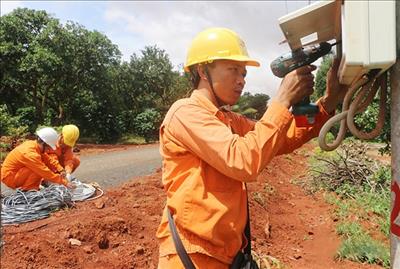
(22, 206)
(364, 91)
(25, 206)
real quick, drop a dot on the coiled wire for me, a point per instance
(364, 89)
(25, 206)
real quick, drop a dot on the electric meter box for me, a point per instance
(368, 38)
(366, 29)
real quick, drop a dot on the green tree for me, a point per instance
(54, 74)
(320, 78)
(147, 124)
(46, 65)
(26, 63)
(252, 106)
(148, 81)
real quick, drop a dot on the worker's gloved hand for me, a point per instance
(68, 177)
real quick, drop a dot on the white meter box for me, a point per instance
(368, 37)
(367, 30)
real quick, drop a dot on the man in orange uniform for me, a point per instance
(24, 167)
(209, 152)
(62, 159)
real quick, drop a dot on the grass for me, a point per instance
(349, 229)
(362, 248)
(359, 210)
(125, 140)
(259, 198)
(132, 140)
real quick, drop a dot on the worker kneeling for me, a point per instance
(62, 159)
(25, 166)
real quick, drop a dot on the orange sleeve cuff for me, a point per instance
(277, 114)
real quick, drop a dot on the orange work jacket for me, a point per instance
(60, 159)
(208, 155)
(28, 155)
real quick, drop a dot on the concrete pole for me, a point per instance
(395, 136)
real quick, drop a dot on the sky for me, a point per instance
(171, 25)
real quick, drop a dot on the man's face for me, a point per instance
(228, 80)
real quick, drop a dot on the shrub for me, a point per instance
(147, 123)
(11, 125)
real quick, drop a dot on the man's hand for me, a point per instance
(71, 185)
(68, 177)
(68, 184)
(335, 92)
(296, 85)
(63, 173)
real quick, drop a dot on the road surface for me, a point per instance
(112, 168)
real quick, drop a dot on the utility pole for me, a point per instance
(395, 137)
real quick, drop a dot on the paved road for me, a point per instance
(115, 167)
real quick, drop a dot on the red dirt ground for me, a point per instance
(118, 229)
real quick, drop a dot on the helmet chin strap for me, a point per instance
(220, 103)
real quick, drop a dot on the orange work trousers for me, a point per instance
(24, 179)
(200, 261)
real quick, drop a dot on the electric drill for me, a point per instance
(304, 112)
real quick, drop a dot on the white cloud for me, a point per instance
(8, 6)
(172, 26)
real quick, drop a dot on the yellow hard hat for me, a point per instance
(217, 44)
(70, 134)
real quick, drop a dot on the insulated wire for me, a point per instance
(25, 206)
(365, 89)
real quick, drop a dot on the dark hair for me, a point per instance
(194, 75)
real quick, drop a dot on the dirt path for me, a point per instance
(118, 230)
(301, 227)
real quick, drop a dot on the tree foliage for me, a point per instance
(252, 106)
(55, 74)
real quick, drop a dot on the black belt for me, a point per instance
(180, 249)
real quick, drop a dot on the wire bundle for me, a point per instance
(82, 191)
(21, 206)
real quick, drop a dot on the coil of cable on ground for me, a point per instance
(25, 206)
(364, 91)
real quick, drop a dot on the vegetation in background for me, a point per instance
(55, 74)
(359, 187)
(252, 106)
